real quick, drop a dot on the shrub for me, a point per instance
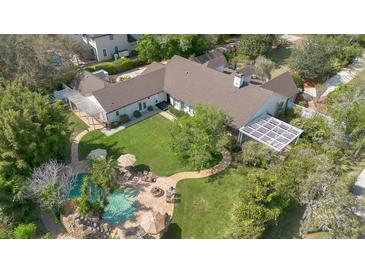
(176, 112)
(299, 82)
(254, 154)
(150, 108)
(25, 231)
(114, 67)
(137, 114)
(124, 119)
(114, 124)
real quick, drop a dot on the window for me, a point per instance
(117, 113)
(116, 49)
(144, 105)
(156, 101)
(111, 37)
(140, 106)
(92, 52)
(104, 52)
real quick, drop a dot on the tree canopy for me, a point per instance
(37, 61)
(198, 138)
(156, 47)
(254, 45)
(32, 130)
(263, 67)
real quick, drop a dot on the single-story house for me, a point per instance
(184, 83)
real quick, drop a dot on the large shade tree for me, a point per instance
(254, 45)
(199, 138)
(37, 61)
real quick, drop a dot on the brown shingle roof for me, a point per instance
(124, 93)
(283, 85)
(193, 83)
(86, 83)
(212, 59)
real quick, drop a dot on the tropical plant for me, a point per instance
(25, 231)
(105, 172)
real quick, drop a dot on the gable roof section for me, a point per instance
(124, 93)
(192, 83)
(283, 85)
(212, 59)
(86, 83)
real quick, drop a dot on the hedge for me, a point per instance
(115, 67)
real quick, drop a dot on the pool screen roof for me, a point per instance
(271, 132)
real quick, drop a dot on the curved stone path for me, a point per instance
(223, 164)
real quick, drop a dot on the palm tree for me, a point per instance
(105, 172)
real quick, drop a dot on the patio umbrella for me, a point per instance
(153, 222)
(126, 160)
(96, 153)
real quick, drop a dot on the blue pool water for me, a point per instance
(121, 206)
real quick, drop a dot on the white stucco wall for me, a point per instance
(270, 106)
(150, 101)
(180, 105)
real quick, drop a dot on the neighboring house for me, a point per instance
(185, 83)
(214, 59)
(108, 46)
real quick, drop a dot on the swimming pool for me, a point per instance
(121, 206)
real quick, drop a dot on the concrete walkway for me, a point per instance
(345, 75)
(77, 165)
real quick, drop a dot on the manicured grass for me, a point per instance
(76, 126)
(204, 207)
(148, 140)
(281, 58)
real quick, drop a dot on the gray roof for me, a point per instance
(283, 85)
(86, 83)
(212, 59)
(193, 83)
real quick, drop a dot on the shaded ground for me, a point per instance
(205, 208)
(148, 140)
(288, 225)
(281, 58)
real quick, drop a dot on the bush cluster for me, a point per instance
(115, 67)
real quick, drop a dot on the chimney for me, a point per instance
(238, 80)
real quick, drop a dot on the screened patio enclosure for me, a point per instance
(82, 104)
(271, 132)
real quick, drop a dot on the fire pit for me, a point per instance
(156, 191)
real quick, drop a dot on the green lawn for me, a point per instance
(204, 207)
(76, 126)
(281, 58)
(148, 140)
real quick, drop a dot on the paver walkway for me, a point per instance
(77, 165)
(224, 163)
